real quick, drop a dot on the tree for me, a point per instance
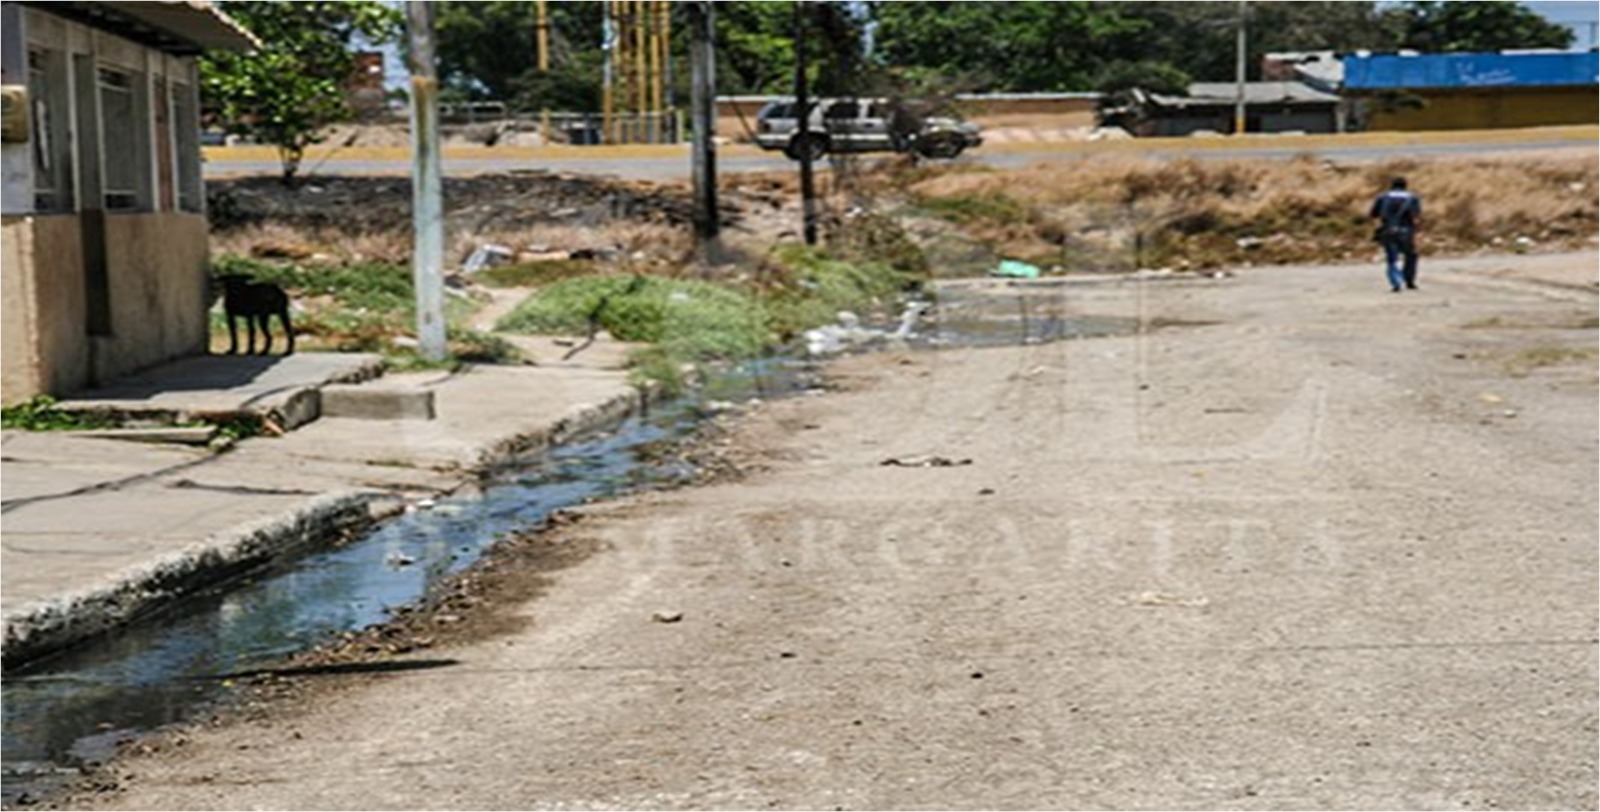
(1489, 25)
(290, 90)
(1021, 46)
(1199, 38)
(489, 51)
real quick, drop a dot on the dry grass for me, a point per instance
(1119, 212)
(632, 243)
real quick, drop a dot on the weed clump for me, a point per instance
(689, 319)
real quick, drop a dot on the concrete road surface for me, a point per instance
(1296, 543)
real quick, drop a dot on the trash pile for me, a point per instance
(848, 334)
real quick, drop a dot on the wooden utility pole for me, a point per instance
(802, 113)
(703, 158)
(427, 256)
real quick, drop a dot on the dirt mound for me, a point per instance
(376, 204)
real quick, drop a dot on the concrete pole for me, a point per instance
(607, 92)
(1238, 103)
(703, 158)
(542, 41)
(427, 203)
(802, 103)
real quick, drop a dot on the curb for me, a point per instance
(38, 630)
(586, 418)
(47, 627)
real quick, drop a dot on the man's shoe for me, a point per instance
(1411, 286)
(1395, 289)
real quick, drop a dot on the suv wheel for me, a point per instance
(942, 145)
(810, 145)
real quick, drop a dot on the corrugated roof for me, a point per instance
(175, 26)
(1208, 94)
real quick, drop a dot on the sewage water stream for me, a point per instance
(71, 711)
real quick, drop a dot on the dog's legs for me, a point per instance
(233, 334)
(288, 331)
(266, 333)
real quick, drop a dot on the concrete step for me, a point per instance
(285, 390)
(378, 401)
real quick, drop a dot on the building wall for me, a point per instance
(1452, 109)
(157, 270)
(62, 331)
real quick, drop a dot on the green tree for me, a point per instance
(1199, 38)
(490, 51)
(1488, 25)
(289, 91)
(755, 47)
(1021, 46)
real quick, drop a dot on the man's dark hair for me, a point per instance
(1397, 183)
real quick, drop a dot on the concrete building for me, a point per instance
(1456, 91)
(1270, 107)
(102, 208)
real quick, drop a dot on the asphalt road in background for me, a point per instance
(669, 163)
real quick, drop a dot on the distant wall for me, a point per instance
(1466, 109)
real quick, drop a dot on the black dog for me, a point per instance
(256, 303)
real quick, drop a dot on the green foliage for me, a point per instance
(42, 414)
(1157, 77)
(536, 273)
(813, 287)
(1021, 46)
(290, 90)
(991, 205)
(1489, 25)
(653, 365)
(362, 307)
(489, 51)
(686, 321)
(689, 319)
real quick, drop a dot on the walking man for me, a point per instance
(1398, 212)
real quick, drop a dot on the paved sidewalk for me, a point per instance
(99, 531)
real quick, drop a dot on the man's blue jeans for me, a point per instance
(1400, 254)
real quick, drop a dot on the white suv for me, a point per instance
(861, 125)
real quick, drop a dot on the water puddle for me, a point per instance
(1007, 317)
(71, 711)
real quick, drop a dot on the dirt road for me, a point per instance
(1301, 543)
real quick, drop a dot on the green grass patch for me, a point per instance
(991, 207)
(362, 307)
(535, 274)
(42, 414)
(689, 319)
(811, 287)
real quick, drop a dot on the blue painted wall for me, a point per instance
(1391, 71)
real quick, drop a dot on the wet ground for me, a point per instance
(70, 713)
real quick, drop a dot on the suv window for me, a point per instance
(844, 109)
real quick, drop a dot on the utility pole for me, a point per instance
(802, 102)
(427, 204)
(608, 42)
(542, 41)
(703, 158)
(1238, 103)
